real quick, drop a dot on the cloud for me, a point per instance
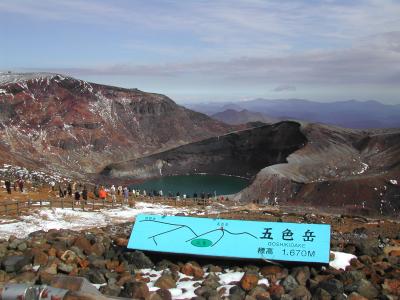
(365, 63)
(231, 44)
(284, 88)
(228, 28)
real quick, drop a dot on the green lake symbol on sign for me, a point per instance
(201, 243)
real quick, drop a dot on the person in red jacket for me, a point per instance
(102, 193)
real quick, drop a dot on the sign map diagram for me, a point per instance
(197, 239)
(231, 238)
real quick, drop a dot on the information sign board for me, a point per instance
(232, 238)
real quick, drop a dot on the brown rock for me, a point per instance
(249, 281)
(214, 269)
(320, 278)
(51, 269)
(190, 269)
(165, 282)
(321, 294)
(154, 296)
(274, 273)
(300, 292)
(52, 252)
(74, 272)
(26, 277)
(388, 250)
(120, 268)
(331, 256)
(355, 296)
(301, 274)
(122, 242)
(164, 294)
(4, 277)
(125, 278)
(356, 264)
(365, 259)
(395, 253)
(260, 293)
(40, 258)
(97, 249)
(83, 244)
(276, 290)
(112, 264)
(137, 290)
(83, 263)
(392, 286)
(45, 278)
(382, 265)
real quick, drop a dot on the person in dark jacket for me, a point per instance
(77, 196)
(60, 192)
(96, 191)
(21, 185)
(8, 186)
(69, 189)
(84, 194)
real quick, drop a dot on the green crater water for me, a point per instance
(190, 184)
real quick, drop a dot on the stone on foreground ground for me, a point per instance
(100, 255)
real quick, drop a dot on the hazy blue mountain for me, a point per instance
(351, 113)
(234, 117)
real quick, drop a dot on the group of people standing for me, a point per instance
(75, 190)
(17, 183)
(79, 191)
(102, 193)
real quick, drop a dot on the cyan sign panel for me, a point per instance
(232, 238)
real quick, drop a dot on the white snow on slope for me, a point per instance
(6, 78)
(57, 218)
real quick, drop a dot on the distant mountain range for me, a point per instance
(234, 117)
(349, 114)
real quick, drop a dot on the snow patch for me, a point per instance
(341, 261)
(57, 218)
(6, 78)
(364, 168)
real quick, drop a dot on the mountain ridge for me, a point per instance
(348, 114)
(82, 126)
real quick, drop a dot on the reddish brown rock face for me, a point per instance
(48, 118)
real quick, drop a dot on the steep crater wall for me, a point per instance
(242, 153)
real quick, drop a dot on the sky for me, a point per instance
(212, 50)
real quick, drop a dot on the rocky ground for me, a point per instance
(100, 255)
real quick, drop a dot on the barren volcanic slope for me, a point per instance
(61, 122)
(293, 163)
(355, 170)
(241, 153)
